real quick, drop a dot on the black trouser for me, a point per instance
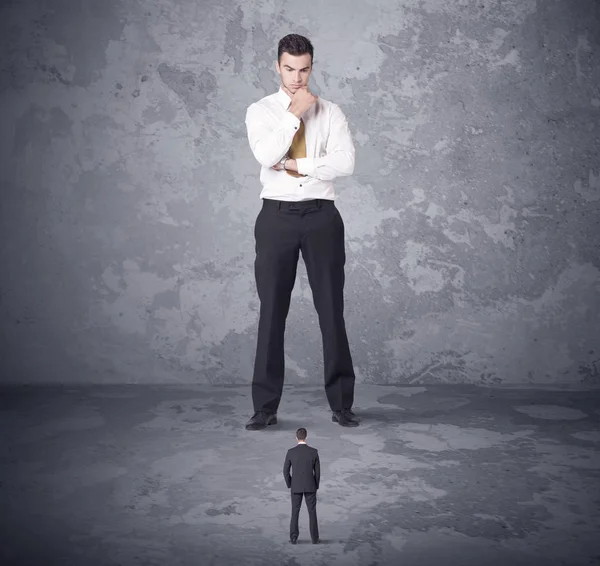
(311, 505)
(282, 230)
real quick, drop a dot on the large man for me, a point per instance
(302, 143)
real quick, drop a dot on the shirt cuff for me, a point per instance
(307, 166)
(292, 120)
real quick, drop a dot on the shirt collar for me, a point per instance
(283, 98)
(301, 442)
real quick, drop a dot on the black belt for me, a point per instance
(296, 204)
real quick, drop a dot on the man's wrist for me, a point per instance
(293, 166)
(295, 112)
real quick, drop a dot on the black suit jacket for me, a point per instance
(306, 468)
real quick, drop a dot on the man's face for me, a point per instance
(294, 70)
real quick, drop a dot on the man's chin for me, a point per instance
(293, 89)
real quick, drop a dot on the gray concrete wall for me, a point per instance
(129, 192)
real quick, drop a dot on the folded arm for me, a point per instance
(339, 160)
(317, 471)
(267, 144)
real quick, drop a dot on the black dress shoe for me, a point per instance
(345, 417)
(260, 420)
(316, 541)
(293, 540)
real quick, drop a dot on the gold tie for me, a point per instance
(298, 148)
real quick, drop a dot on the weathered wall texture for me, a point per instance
(129, 192)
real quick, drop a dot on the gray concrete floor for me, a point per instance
(450, 475)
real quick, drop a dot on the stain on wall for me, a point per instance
(129, 192)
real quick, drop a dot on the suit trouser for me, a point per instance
(311, 505)
(282, 231)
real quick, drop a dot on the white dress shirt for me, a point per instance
(329, 148)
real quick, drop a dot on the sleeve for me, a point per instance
(286, 470)
(317, 471)
(267, 144)
(339, 159)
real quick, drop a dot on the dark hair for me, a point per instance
(294, 44)
(301, 434)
